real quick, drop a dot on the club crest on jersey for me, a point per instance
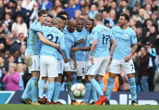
(126, 35)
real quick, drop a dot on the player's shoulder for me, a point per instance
(65, 31)
(38, 24)
(131, 30)
(96, 28)
(115, 28)
(106, 29)
(57, 31)
(45, 27)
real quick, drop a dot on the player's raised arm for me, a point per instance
(34, 27)
(46, 41)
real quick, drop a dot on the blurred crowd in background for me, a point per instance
(17, 15)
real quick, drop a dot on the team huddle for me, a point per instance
(82, 50)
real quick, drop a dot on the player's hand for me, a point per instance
(127, 58)
(91, 59)
(74, 49)
(81, 41)
(67, 60)
(75, 65)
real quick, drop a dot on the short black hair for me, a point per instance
(125, 1)
(125, 15)
(49, 15)
(106, 21)
(62, 13)
(41, 12)
(62, 17)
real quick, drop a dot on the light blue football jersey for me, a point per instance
(54, 35)
(87, 44)
(104, 35)
(33, 42)
(124, 39)
(79, 55)
(69, 41)
(62, 40)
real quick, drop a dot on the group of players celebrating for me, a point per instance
(79, 49)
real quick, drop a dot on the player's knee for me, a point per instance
(132, 75)
(51, 79)
(59, 78)
(112, 75)
(99, 77)
(90, 77)
(45, 78)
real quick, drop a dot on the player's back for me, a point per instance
(33, 42)
(104, 35)
(54, 35)
(124, 39)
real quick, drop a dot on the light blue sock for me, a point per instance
(96, 87)
(34, 89)
(46, 93)
(74, 78)
(132, 88)
(41, 88)
(27, 89)
(94, 94)
(51, 86)
(109, 87)
(79, 81)
(101, 83)
(88, 90)
(69, 84)
(57, 91)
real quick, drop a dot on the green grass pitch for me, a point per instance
(73, 107)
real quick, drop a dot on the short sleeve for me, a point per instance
(95, 34)
(133, 38)
(111, 35)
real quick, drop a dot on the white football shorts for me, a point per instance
(128, 67)
(48, 66)
(33, 62)
(80, 68)
(99, 67)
